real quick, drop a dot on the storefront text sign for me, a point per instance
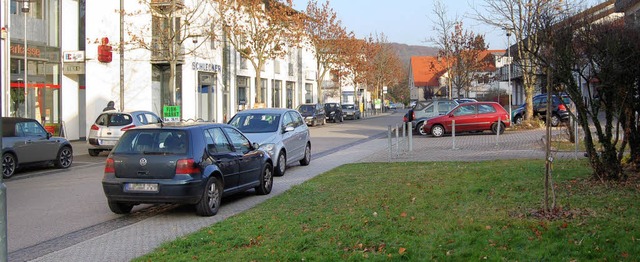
(73, 56)
(206, 67)
(171, 113)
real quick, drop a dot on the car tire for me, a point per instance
(494, 128)
(266, 180)
(281, 164)
(437, 130)
(555, 120)
(9, 165)
(517, 120)
(119, 207)
(313, 122)
(420, 128)
(211, 199)
(94, 152)
(64, 158)
(307, 156)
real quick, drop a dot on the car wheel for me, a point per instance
(65, 157)
(94, 152)
(420, 128)
(307, 156)
(313, 122)
(281, 165)
(437, 130)
(517, 120)
(266, 181)
(555, 120)
(209, 204)
(9, 165)
(494, 128)
(119, 207)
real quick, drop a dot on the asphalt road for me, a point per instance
(50, 210)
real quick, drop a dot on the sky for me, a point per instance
(408, 21)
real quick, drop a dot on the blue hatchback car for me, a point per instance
(185, 163)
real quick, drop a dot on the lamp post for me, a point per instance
(510, 91)
(25, 9)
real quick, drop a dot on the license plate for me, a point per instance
(140, 187)
(107, 142)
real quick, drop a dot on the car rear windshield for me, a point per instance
(152, 141)
(114, 119)
(306, 108)
(256, 122)
(347, 106)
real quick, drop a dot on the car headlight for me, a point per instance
(270, 148)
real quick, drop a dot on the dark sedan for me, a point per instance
(25, 141)
(184, 163)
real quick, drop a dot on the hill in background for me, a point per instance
(405, 52)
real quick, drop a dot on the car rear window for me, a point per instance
(114, 119)
(152, 141)
(306, 108)
(347, 106)
(256, 122)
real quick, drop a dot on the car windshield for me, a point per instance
(256, 122)
(306, 109)
(330, 105)
(421, 105)
(347, 106)
(152, 141)
(114, 119)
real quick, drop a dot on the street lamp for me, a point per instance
(26, 4)
(510, 91)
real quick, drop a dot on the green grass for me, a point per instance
(427, 211)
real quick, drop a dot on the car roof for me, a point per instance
(266, 111)
(126, 112)
(180, 125)
(9, 125)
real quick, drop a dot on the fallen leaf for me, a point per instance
(487, 227)
(402, 250)
(403, 214)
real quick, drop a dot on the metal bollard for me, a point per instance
(389, 136)
(453, 134)
(498, 133)
(410, 132)
(397, 142)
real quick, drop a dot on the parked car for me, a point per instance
(470, 117)
(333, 112)
(110, 125)
(351, 111)
(280, 132)
(559, 112)
(184, 163)
(25, 142)
(424, 110)
(313, 114)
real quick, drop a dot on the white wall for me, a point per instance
(70, 87)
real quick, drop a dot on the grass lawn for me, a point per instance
(457, 211)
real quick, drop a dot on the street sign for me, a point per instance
(171, 113)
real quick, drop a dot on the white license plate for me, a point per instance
(107, 142)
(140, 187)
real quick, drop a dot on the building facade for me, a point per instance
(75, 65)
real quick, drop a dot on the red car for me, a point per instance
(470, 117)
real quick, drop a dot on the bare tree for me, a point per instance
(173, 23)
(384, 65)
(260, 30)
(466, 48)
(325, 33)
(444, 30)
(522, 18)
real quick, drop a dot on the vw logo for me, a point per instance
(143, 161)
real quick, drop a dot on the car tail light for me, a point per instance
(127, 127)
(187, 166)
(413, 115)
(562, 107)
(95, 127)
(109, 167)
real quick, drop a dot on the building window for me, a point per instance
(290, 87)
(263, 90)
(277, 86)
(242, 90)
(161, 75)
(308, 94)
(276, 67)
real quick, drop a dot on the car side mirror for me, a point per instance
(288, 129)
(255, 146)
(49, 135)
